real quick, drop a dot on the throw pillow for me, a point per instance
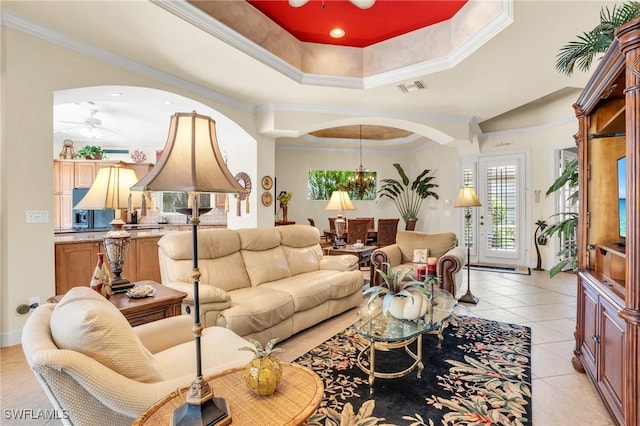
(85, 322)
(420, 255)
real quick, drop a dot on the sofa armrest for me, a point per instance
(207, 293)
(341, 262)
(448, 265)
(390, 254)
(165, 333)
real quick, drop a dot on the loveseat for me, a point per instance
(443, 246)
(261, 282)
(98, 370)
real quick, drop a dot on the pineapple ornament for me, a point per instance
(263, 373)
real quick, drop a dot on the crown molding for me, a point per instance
(13, 21)
(212, 26)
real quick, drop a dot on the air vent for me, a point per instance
(413, 86)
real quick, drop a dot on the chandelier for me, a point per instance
(362, 4)
(362, 182)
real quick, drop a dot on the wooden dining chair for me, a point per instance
(357, 229)
(387, 230)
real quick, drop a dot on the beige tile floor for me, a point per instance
(561, 396)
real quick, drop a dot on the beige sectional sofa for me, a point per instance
(442, 245)
(262, 282)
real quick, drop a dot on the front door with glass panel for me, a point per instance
(501, 218)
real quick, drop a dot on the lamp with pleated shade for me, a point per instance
(191, 162)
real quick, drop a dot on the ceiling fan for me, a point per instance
(362, 4)
(91, 127)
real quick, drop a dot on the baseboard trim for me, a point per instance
(10, 338)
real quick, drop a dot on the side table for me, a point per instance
(165, 303)
(298, 396)
(363, 253)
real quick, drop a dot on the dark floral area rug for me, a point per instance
(480, 376)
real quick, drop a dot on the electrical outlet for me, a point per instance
(34, 300)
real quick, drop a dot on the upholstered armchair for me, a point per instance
(98, 370)
(443, 246)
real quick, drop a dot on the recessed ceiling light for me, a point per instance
(168, 102)
(116, 94)
(337, 33)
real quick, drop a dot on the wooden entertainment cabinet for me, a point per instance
(608, 314)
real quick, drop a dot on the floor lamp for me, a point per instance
(340, 201)
(467, 198)
(191, 162)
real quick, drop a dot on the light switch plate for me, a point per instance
(37, 216)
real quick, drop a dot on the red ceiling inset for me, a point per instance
(384, 20)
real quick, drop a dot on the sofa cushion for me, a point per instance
(298, 235)
(438, 244)
(85, 322)
(212, 243)
(306, 290)
(303, 259)
(256, 309)
(266, 265)
(258, 239)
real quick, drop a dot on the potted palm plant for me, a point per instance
(580, 53)
(567, 222)
(408, 195)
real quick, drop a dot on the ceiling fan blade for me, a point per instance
(71, 122)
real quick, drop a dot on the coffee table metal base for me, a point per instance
(385, 346)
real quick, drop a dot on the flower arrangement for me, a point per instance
(284, 197)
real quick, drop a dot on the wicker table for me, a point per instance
(296, 399)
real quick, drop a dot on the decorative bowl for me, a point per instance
(358, 245)
(140, 291)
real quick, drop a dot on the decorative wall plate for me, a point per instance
(267, 182)
(267, 198)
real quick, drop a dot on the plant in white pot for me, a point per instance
(403, 296)
(408, 195)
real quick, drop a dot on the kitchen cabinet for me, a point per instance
(63, 183)
(69, 174)
(147, 263)
(75, 262)
(608, 315)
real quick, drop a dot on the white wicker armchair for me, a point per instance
(135, 366)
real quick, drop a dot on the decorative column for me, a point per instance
(629, 37)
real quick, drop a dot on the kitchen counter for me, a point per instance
(71, 236)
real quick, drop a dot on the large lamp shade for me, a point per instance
(191, 160)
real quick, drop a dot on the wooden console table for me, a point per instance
(296, 399)
(165, 303)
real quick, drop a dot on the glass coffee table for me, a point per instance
(386, 332)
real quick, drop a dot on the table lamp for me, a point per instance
(467, 198)
(110, 191)
(340, 201)
(191, 162)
